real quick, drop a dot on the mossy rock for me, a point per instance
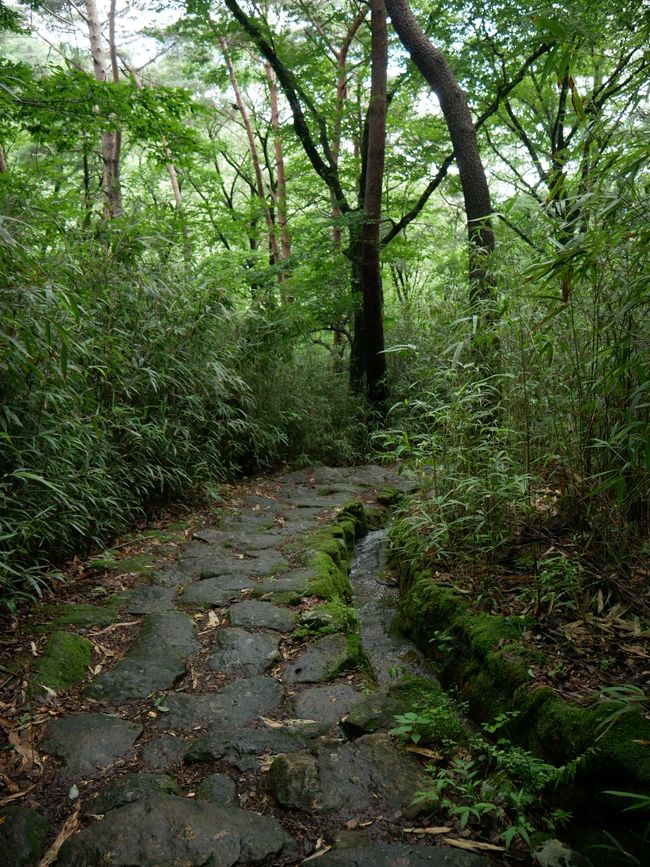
(389, 497)
(377, 517)
(23, 833)
(334, 616)
(330, 581)
(72, 614)
(491, 670)
(64, 662)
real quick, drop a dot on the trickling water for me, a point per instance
(375, 600)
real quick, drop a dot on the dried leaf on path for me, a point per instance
(434, 830)
(473, 845)
(25, 749)
(318, 854)
(423, 751)
(69, 827)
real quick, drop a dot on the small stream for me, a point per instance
(375, 599)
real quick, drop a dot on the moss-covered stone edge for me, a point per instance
(490, 669)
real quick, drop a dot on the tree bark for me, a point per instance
(453, 102)
(111, 141)
(257, 167)
(281, 192)
(370, 236)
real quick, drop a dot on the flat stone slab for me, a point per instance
(216, 591)
(262, 615)
(320, 662)
(244, 653)
(23, 833)
(242, 748)
(255, 541)
(156, 662)
(150, 600)
(89, 742)
(290, 586)
(168, 576)
(161, 832)
(369, 776)
(404, 855)
(210, 562)
(326, 703)
(130, 788)
(218, 789)
(235, 705)
(164, 752)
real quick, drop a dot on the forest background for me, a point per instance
(212, 266)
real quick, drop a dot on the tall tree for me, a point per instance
(370, 258)
(436, 70)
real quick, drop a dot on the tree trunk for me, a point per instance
(281, 193)
(370, 234)
(453, 102)
(111, 141)
(257, 167)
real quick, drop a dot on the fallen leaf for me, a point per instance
(423, 751)
(25, 750)
(73, 794)
(69, 827)
(352, 824)
(32, 644)
(473, 845)
(14, 797)
(272, 723)
(318, 854)
(437, 829)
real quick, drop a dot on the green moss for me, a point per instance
(377, 517)
(334, 616)
(355, 510)
(490, 669)
(330, 579)
(110, 561)
(389, 497)
(64, 662)
(68, 614)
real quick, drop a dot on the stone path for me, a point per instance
(216, 739)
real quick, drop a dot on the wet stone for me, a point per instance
(218, 789)
(23, 833)
(243, 748)
(320, 662)
(216, 591)
(164, 752)
(89, 742)
(375, 711)
(161, 832)
(235, 705)
(326, 703)
(150, 600)
(168, 577)
(156, 662)
(244, 653)
(369, 775)
(255, 614)
(291, 585)
(130, 788)
(402, 854)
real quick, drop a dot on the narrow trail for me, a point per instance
(234, 730)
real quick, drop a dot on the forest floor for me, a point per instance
(189, 697)
(205, 728)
